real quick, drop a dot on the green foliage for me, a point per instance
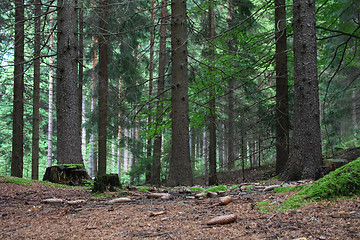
(343, 182)
(288, 189)
(216, 188)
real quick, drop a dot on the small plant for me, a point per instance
(216, 188)
(234, 187)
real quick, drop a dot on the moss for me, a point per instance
(16, 180)
(265, 206)
(288, 189)
(234, 187)
(216, 188)
(70, 165)
(343, 182)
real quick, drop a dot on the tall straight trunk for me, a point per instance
(51, 96)
(205, 152)
(305, 155)
(81, 77)
(92, 153)
(119, 132)
(151, 78)
(212, 116)
(282, 99)
(243, 149)
(156, 165)
(18, 103)
(68, 93)
(36, 96)
(230, 135)
(180, 172)
(103, 86)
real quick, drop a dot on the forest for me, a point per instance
(166, 92)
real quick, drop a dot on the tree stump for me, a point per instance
(107, 182)
(69, 174)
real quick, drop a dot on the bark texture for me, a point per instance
(282, 99)
(18, 103)
(68, 100)
(305, 155)
(180, 172)
(36, 94)
(103, 87)
(212, 116)
(156, 165)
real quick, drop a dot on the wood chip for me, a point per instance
(52, 201)
(119, 200)
(152, 214)
(77, 202)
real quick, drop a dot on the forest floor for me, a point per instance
(26, 215)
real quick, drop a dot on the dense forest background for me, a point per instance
(125, 55)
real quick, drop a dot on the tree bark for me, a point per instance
(51, 96)
(180, 172)
(36, 94)
(230, 135)
(68, 92)
(18, 102)
(282, 99)
(103, 87)
(305, 156)
(212, 116)
(156, 165)
(151, 79)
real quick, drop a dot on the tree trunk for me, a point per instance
(180, 172)
(305, 157)
(282, 99)
(212, 117)
(18, 103)
(92, 153)
(51, 96)
(151, 78)
(81, 78)
(68, 93)
(36, 95)
(103, 87)
(230, 135)
(156, 165)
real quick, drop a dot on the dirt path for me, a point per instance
(23, 215)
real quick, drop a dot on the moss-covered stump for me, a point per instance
(343, 182)
(108, 182)
(68, 174)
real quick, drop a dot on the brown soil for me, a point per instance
(23, 215)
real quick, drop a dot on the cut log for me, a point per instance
(68, 174)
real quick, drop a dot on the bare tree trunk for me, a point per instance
(103, 87)
(205, 157)
(68, 93)
(81, 77)
(230, 135)
(36, 96)
(305, 156)
(282, 99)
(18, 103)
(156, 165)
(119, 132)
(92, 154)
(151, 78)
(212, 117)
(180, 166)
(51, 95)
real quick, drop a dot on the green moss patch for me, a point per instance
(196, 189)
(343, 182)
(216, 188)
